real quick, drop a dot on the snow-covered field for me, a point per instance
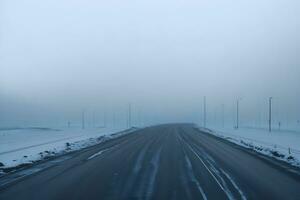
(25, 145)
(282, 145)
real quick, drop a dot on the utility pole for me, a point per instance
(237, 113)
(129, 115)
(215, 117)
(127, 121)
(82, 120)
(223, 120)
(259, 120)
(204, 111)
(270, 114)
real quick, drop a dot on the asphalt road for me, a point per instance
(173, 161)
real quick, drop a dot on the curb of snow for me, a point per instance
(271, 152)
(69, 147)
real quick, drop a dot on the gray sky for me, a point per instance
(58, 57)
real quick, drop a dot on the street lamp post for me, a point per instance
(223, 120)
(204, 111)
(270, 114)
(129, 116)
(238, 113)
(82, 120)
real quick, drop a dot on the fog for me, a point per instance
(60, 58)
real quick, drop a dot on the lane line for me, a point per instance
(215, 169)
(193, 178)
(190, 170)
(200, 159)
(220, 172)
(98, 154)
(23, 173)
(235, 185)
(110, 148)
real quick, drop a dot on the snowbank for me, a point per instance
(25, 146)
(282, 145)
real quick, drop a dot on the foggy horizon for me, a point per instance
(60, 58)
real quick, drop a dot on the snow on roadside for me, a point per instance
(282, 145)
(25, 146)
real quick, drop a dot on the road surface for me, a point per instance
(172, 161)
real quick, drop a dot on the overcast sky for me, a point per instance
(59, 57)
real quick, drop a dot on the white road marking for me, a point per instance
(101, 152)
(211, 173)
(219, 173)
(96, 154)
(216, 172)
(235, 185)
(109, 148)
(193, 178)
